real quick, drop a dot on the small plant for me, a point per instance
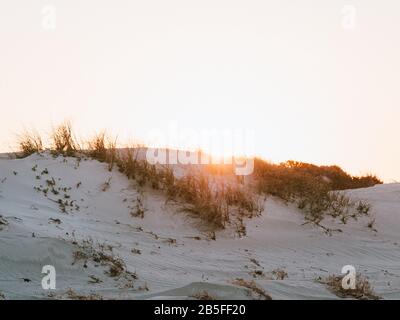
(103, 149)
(203, 295)
(63, 140)
(252, 286)
(3, 222)
(170, 241)
(138, 210)
(94, 279)
(279, 274)
(136, 251)
(97, 148)
(79, 255)
(362, 291)
(255, 262)
(116, 266)
(29, 143)
(54, 220)
(257, 274)
(363, 207)
(51, 182)
(72, 295)
(371, 225)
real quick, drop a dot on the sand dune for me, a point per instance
(169, 256)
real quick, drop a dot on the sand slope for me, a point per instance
(171, 257)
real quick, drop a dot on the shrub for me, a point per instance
(311, 187)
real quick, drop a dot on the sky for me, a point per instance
(317, 81)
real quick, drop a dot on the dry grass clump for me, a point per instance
(213, 201)
(63, 140)
(253, 287)
(363, 290)
(279, 274)
(139, 170)
(103, 148)
(116, 266)
(97, 147)
(3, 222)
(203, 295)
(29, 143)
(312, 187)
(72, 295)
(201, 201)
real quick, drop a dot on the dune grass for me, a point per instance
(213, 193)
(103, 148)
(63, 141)
(29, 142)
(203, 196)
(314, 189)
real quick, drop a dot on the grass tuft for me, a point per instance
(29, 142)
(362, 291)
(63, 140)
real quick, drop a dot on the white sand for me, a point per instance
(276, 239)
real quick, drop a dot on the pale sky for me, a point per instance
(313, 87)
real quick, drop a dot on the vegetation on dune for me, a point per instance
(213, 193)
(103, 148)
(315, 189)
(29, 142)
(213, 201)
(362, 291)
(63, 140)
(203, 295)
(253, 288)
